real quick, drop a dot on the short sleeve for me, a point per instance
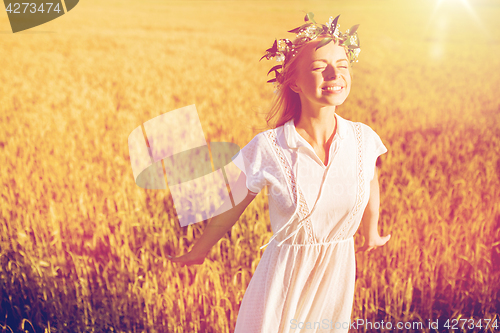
(251, 159)
(374, 148)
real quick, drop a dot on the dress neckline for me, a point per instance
(307, 145)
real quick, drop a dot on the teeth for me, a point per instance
(335, 88)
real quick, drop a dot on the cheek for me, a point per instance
(310, 81)
(348, 79)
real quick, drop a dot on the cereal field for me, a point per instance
(83, 248)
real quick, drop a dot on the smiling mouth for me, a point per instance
(333, 88)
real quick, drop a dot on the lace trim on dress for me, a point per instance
(361, 184)
(291, 181)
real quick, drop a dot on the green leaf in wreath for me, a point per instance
(296, 30)
(274, 48)
(353, 47)
(353, 29)
(334, 24)
(275, 68)
(346, 41)
(324, 42)
(309, 17)
(271, 81)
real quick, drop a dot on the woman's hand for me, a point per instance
(374, 243)
(190, 258)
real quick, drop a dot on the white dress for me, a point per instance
(305, 279)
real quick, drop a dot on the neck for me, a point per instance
(318, 125)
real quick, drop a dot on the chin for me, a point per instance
(336, 102)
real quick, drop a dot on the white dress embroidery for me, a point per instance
(305, 278)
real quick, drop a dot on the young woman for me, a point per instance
(323, 184)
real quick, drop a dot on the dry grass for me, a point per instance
(82, 248)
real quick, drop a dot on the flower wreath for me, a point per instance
(284, 49)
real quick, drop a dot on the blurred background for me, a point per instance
(83, 248)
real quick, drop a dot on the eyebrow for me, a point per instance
(324, 60)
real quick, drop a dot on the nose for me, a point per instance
(330, 73)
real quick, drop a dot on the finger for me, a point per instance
(175, 259)
(361, 249)
(180, 262)
(183, 261)
(188, 263)
(364, 248)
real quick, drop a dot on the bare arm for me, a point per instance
(369, 221)
(218, 226)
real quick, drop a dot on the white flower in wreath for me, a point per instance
(307, 32)
(280, 57)
(337, 31)
(282, 45)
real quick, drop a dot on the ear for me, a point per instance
(294, 87)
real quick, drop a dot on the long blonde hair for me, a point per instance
(286, 104)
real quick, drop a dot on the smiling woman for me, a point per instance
(307, 273)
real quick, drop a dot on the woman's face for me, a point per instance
(322, 77)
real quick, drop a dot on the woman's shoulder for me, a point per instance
(370, 133)
(371, 139)
(367, 130)
(262, 139)
(361, 130)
